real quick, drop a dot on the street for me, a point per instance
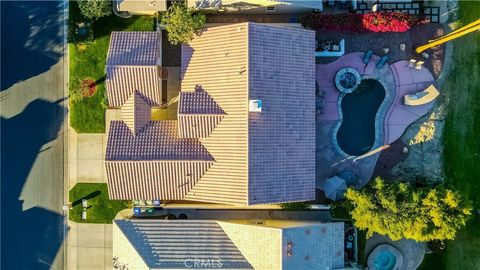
(33, 113)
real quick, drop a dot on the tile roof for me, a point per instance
(136, 113)
(265, 157)
(159, 140)
(198, 102)
(122, 81)
(132, 48)
(168, 244)
(277, 244)
(198, 114)
(281, 141)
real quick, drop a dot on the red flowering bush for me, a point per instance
(88, 87)
(370, 22)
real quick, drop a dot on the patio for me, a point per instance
(392, 118)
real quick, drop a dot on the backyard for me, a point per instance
(87, 61)
(462, 147)
(100, 209)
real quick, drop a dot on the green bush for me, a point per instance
(94, 9)
(182, 23)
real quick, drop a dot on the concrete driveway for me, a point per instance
(33, 110)
(90, 246)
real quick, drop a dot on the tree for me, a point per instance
(182, 23)
(94, 9)
(398, 211)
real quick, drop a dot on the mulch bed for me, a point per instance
(416, 36)
(388, 159)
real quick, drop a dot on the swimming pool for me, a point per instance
(356, 134)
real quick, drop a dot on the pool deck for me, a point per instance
(392, 117)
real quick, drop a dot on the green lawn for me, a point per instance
(88, 60)
(100, 208)
(462, 144)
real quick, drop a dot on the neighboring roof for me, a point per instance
(265, 157)
(141, 5)
(165, 244)
(198, 114)
(159, 140)
(136, 113)
(134, 48)
(289, 244)
(277, 244)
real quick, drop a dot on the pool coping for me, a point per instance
(383, 109)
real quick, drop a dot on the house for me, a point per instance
(259, 6)
(245, 128)
(237, 244)
(146, 7)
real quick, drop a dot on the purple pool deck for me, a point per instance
(399, 79)
(407, 81)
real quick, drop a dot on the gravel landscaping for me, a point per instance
(418, 35)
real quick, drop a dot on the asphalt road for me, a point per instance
(33, 116)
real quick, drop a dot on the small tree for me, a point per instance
(182, 23)
(94, 9)
(398, 211)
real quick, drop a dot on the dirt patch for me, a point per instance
(88, 87)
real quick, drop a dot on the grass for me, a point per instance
(88, 60)
(100, 208)
(462, 145)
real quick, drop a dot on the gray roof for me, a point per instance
(281, 139)
(158, 140)
(164, 244)
(134, 48)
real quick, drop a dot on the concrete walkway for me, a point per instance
(90, 246)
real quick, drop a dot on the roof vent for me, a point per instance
(255, 105)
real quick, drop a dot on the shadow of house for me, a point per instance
(32, 39)
(30, 239)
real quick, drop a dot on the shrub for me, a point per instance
(370, 22)
(94, 9)
(399, 211)
(295, 206)
(182, 23)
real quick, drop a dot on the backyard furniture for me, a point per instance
(84, 215)
(382, 62)
(419, 64)
(367, 56)
(411, 63)
(335, 188)
(421, 98)
(328, 49)
(84, 203)
(403, 47)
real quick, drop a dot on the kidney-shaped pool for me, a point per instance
(356, 134)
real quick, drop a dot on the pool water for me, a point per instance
(356, 134)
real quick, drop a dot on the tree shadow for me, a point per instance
(32, 39)
(88, 197)
(30, 239)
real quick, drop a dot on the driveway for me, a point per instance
(90, 246)
(32, 109)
